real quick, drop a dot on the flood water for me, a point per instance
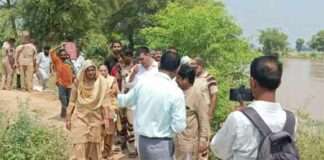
(303, 87)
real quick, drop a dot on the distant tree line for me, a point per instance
(274, 41)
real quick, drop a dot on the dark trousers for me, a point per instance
(18, 82)
(155, 148)
(64, 96)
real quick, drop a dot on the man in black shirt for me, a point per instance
(112, 59)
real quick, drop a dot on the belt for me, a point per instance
(156, 138)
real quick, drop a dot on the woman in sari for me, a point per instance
(90, 113)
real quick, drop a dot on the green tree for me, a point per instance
(8, 27)
(273, 41)
(128, 17)
(299, 44)
(52, 21)
(317, 41)
(204, 30)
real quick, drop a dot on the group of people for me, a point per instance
(141, 101)
(21, 60)
(157, 106)
(31, 69)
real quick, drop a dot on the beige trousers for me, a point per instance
(26, 74)
(180, 155)
(86, 151)
(7, 76)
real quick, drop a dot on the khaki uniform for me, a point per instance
(207, 85)
(197, 130)
(86, 151)
(8, 60)
(26, 60)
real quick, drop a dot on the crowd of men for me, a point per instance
(154, 105)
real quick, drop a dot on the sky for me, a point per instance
(297, 18)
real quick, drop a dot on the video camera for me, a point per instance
(241, 94)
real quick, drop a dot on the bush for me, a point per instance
(26, 138)
(310, 138)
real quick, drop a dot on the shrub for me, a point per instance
(25, 138)
(310, 138)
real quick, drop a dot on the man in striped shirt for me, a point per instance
(207, 83)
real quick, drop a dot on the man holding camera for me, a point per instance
(239, 138)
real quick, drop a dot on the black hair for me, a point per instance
(142, 49)
(69, 37)
(169, 61)
(172, 48)
(46, 47)
(60, 51)
(11, 40)
(267, 71)
(115, 41)
(128, 52)
(187, 72)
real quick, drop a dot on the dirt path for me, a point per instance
(44, 105)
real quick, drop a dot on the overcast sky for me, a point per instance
(297, 18)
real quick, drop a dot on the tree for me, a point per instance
(54, 20)
(131, 16)
(204, 30)
(8, 27)
(317, 41)
(299, 44)
(273, 41)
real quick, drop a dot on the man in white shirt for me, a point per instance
(160, 105)
(43, 63)
(239, 139)
(79, 61)
(147, 65)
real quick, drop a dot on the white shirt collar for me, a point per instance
(266, 105)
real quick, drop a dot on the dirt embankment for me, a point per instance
(44, 105)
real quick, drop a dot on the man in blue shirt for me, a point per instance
(160, 110)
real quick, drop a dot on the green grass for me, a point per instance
(310, 138)
(26, 138)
